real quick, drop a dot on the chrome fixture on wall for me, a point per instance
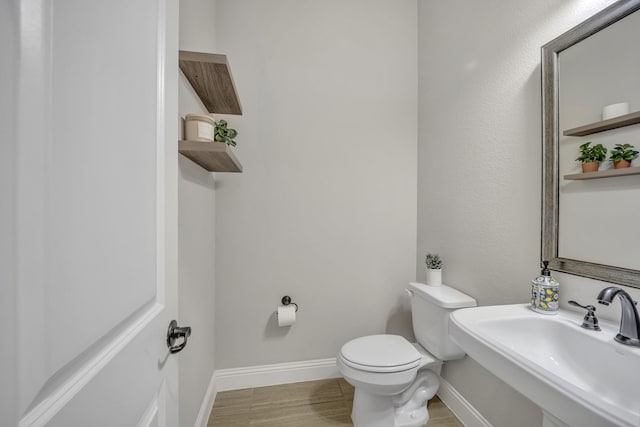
(286, 300)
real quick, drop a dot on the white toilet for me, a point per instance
(394, 378)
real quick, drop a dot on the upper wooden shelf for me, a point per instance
(211, 78)
(212, 156)
(608, 173)
(603, 125)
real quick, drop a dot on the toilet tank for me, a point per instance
(430, 308)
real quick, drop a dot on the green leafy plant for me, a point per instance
(623, 152)
(433, 261)
(597, 153)
(225, 134)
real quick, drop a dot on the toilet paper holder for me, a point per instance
(286, 300)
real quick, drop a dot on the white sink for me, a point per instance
(578, 377)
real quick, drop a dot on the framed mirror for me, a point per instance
(591, 221)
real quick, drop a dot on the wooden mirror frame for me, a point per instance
(550, 146)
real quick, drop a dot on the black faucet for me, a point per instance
(630, 322)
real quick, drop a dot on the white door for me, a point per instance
(92, 209)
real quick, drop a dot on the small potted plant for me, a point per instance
(622, 155)
(591, 156)
(434, 269)
(225, 134)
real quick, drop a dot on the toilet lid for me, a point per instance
(381, 353)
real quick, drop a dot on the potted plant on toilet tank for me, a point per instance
(434, 269)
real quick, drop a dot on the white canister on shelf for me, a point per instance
(199, 127)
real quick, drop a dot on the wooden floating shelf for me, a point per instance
(212, 156)
(604, 125)
(609, 173)
(210, 76)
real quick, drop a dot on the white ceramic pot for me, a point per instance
(434, 277)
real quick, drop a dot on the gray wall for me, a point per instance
(9, 36)
(325, 210)
(479, 162)
(196, 222)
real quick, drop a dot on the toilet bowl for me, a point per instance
(394, 378)
(382, 368)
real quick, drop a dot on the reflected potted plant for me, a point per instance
(434, 269)
(590, 157)
(622, 155)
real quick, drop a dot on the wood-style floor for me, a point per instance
(324, 403)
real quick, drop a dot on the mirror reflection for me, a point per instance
(591, 111)
(599, 218)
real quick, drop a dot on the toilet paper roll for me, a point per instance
(615, 110)
(286, 315)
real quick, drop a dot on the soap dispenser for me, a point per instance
(544, 292)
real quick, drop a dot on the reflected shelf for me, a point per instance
(608, 173)
(604, 125)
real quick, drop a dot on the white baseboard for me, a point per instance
(280, 373)
(466, 413)
(207, 403)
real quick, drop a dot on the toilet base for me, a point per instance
(408, 409)
(411, 405)
(372, 410)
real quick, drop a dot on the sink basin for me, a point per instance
(577, 376)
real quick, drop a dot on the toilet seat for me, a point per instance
(381, 353)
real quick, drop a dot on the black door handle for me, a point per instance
(174, 333)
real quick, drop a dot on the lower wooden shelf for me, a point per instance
(608, 173)
(212, 156)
